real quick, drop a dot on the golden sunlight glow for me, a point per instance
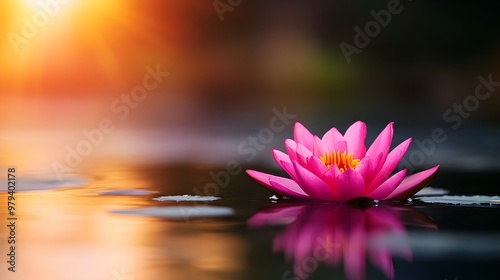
(63, 62)
(31, 3)
(49, 7)
(61, 47)
(342, 160)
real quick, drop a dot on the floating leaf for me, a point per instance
(137, 192)
(186, 197)
(179, 212)
(476, 200)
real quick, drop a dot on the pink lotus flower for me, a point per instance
(339, 233)
(339, 167)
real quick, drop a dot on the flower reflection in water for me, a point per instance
(335, 233)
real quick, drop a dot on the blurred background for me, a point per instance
(68, 65)
(179, 97)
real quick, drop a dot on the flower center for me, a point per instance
(342, 160)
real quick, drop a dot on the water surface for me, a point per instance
(101, 229)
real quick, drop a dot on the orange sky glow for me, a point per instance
(57, 48)
(63, 62)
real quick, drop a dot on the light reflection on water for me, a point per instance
(339, 234)
(71, 234)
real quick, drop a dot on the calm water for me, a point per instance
(80, 233)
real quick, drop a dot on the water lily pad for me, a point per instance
(137, 192)
(476, 200)
(186, 197)
(179, 212)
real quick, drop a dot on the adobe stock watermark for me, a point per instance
(48, 9)
(362, 37)
(122, 107)
(249, 148)
(223, 6)
(309, 264)
(453, 116)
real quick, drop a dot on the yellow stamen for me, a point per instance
(342, 160)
